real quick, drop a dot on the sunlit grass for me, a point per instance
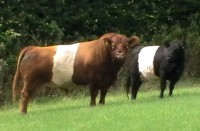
(149, 112)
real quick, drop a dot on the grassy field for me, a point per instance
(181, 112)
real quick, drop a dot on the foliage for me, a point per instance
(45, 22)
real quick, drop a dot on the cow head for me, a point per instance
(175, 50)
(118, 46)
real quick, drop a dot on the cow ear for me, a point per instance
(133, 41)
(167, 43)
(107, 41)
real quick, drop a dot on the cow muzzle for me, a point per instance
(120, 55)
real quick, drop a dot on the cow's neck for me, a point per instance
(104, 58)
(116, 66)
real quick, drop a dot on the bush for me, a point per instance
(40, 23)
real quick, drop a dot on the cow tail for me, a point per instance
(17, 77)
(128, 85)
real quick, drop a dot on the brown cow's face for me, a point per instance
(119, 45)
(119, 50)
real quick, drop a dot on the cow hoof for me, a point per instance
(133, 98)
(92, 105)
(170, 94)
(23, 113)
(101, 103)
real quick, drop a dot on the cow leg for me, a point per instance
(93, 93)
(135, 85)
(171, 87)
(162, 87)
(25, 96)
(102, 96)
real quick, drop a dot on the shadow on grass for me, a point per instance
(143, 98)
(147, 97)
(60, 109)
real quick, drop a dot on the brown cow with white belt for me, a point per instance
(94, 63)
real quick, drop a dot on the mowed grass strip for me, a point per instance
(181, 112)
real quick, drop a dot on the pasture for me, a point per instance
(181, 112)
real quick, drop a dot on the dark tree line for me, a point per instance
(48, 22)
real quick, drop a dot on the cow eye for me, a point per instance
(127, 46)
(113, 46)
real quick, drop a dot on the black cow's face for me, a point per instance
(118, 46)
(175, 50)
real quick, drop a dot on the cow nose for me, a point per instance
(119, 55)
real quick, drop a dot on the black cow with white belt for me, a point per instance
(165, 62)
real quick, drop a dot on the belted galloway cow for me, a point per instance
(94, 63)
(166, 62)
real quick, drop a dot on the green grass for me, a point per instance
(181, 112)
